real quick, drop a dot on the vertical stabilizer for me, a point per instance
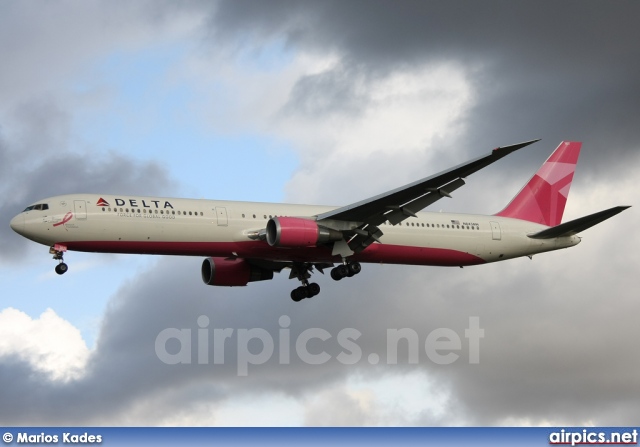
(543, 198)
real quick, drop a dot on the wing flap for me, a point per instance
(400, 213)
(577, 225)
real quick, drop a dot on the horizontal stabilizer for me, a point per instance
(577, 225)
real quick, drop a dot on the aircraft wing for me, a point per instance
(404, 202)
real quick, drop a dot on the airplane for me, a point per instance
(245, 242)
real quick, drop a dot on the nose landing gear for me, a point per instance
(58, 253)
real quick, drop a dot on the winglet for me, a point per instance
(578, 225)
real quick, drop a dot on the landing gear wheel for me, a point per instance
(302, 292)
(339, 272)
(299, 293)
(313, 289)
(354, 268)
(302, 271)
(58, 255)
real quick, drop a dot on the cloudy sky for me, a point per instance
(318, 102)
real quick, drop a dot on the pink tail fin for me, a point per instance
(543, 199)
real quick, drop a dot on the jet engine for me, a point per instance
(292, 232)
(232, 272)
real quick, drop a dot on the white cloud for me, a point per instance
(341, 407)
(66, 37)
(407, 398)
(269, 409)
(399, 123)
(49, 343)
(402, 121)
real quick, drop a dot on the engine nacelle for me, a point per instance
(232, 272)
(298, 232)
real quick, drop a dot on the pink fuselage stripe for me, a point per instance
(376, 253)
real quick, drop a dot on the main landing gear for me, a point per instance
(346, 270)
(306, 290)
(302, 271)
(61, 268)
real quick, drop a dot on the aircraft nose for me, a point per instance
(17, 223)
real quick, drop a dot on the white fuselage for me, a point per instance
(168, 226)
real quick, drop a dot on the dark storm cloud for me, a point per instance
(556, 70)
(44, 46)
(329, 92)
(74, 173)
(37, 163)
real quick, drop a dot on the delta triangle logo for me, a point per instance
(102, 202)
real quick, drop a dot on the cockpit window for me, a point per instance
(38, 207)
